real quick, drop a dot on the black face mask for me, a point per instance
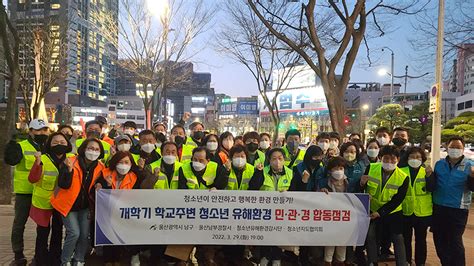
(160, 137)
(40, 139)
(198, 134)
(68, 137)
(314, 163)
(252, 147)
(179, 140)
(93, 134)
(59, 149)
(399, 141)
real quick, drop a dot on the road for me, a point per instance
(6, 219)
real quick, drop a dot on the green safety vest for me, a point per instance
(299, 157)
(247, 174)
(136, 157)
(44, 188)
(208, 176)
(380, 196)
(190, 142)
(261, 158)
(162, 182)
(21, 185)
(283, 182)
(418, 201)
(187, 152)
(104, 144)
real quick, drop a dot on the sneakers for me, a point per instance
(135, 261)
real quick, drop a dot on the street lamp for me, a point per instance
(392, 65)
(159, 8)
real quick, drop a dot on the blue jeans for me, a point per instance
(76, 243)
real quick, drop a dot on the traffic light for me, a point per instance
(346, 120)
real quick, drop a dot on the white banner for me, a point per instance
(132, 217)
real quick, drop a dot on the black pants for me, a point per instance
(448, 228)
(22, 212)
(52, 255)
(420, 226)
(271, 252)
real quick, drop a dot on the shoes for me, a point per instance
(19, 262)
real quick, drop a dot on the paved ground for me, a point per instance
(6, 255)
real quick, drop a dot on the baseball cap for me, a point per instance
(38, 124)
(121, 137)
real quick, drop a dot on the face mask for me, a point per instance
(160, 137)
(324, 146)
(92, 155)
(349, 156)
(124, 147)
(179, 140)
(148, 148)
(130, 132)
(372, 153)
(314, 163)
(198, 134)
(59, 149)
(414, 163)
(455, 153)
(265, 144)
(169, 159)
(40, 139)
(122, 168)
(227, 144)
(252, 147)
(68, 137)
(158, 144)
(93, 134)
(399, 142)
(332, 145)
(383, 141)
(338, 174)
(212, 146)
(239, 162)
(293, 145)
(389, 166)
(198, 166)
(277, 165)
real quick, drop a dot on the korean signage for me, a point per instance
(181, 217)
(434, 98)
(239, 107)
(298, 100)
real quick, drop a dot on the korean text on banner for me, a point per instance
(132, 217)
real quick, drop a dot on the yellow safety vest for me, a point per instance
(104, 144)
(190, 142)
(44, 188)
(21, 185)
(283, 182)
(187, 153)
(380, 196)
(299, 157)
(208, 176)
(162, 182)
(136, 157)
(261, 158)
(418, 201)
(247, 174)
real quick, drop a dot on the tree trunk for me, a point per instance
(276, 126)
(335, 100)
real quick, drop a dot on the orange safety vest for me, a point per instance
(128, 180)
(108, 140)
(63, 199)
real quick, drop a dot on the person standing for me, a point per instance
(265, 142)
(293, 154)
(22, 156)
(211, 142)
(451, 183)
(185, 149)
(252, 142)
(93, 130)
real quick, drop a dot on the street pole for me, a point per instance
(405, 88)
(436, 131)
(392, 71)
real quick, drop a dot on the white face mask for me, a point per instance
(264, 144)
(158, 144)
(332, 145)
(349, 157)
(169, 159)
(414, 163)
(124, 147)
(212, 146)
(338, 174)
(239, 162)
(122, 168)
(372, 153)
(92, 155)
(198, 166)
(389, 166)
(455, 153)
(324, 146)
(383, 141)
(130, 132)
(148, 148)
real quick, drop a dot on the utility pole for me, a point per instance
(436, 131)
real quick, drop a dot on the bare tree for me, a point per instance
(154, 49)
(349, 31)
(245, 39)
(10, 42)
(43, 48)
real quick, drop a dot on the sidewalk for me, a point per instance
(6, 220)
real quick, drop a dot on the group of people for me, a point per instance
(57, 173)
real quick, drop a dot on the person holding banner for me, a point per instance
(202, 173)
(387, 185)
(43, 176)
(71, 199)
(122, 173)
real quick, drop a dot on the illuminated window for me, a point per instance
(55, 6)
(54, 89)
